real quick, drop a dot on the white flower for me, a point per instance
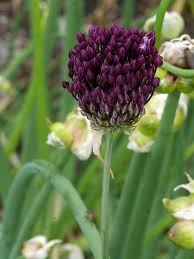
(38, 247)
(74, 251)
(139, 143)
(54, 140)
(186, 213)
(189, 186)
(76, 134)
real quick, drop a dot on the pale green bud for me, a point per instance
(178, 204)
(185, 85)
(172, 27)
(167, 84)
(62, 133)
(182, 234)
(149, 123)
(76, 134)
(138, 142)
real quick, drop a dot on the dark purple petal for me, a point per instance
(112, 72)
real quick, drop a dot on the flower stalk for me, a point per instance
(105, 197)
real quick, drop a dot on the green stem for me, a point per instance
(125, 206)
(159, 20)
(149, 182)
(128, 12)
(186, 73)
(105, 197)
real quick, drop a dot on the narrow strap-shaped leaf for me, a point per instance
(149, 181)
(70, 195)
(183, 254)
(11, 69)
(31, 218)
(127, 200)
(14, 204)
(156, 211)
(159, 19)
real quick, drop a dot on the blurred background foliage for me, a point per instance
(35, 38)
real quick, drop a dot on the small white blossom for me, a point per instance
(189, 186)
(38, 247)
(76, 134)
(139, 143)
(54, 140)
(74, 251)
(186, 213)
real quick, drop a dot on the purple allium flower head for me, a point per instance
(113, 74)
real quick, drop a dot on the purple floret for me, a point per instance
(112, 72)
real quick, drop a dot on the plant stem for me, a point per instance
(159, 20)
(128, 12)
(105, 197)
(186, 73)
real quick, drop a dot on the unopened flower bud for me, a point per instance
(139, 142)
(167, 84)
(149, 123)
(182, 234)
(177, 204)
(185, 85)
(76, 134)
(172, 27)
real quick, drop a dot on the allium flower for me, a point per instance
(113, 75)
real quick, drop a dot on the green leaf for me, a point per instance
(12, 236)
(149, 182)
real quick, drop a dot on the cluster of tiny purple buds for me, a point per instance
(112, 72)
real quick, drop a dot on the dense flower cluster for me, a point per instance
(113, 74)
